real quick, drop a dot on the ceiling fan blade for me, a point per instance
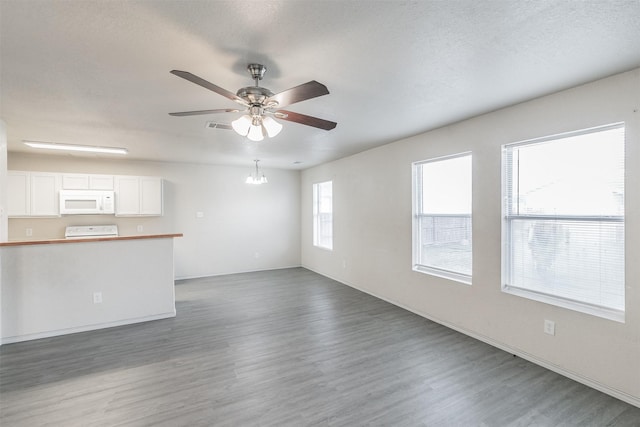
(299, 93)
(207, 85)
(197, 113)
(305, 120)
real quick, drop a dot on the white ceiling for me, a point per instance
(97, 72)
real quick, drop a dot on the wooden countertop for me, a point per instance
(89, 239)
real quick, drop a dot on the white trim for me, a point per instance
(618, 394)
(445, 274)
(235, 272)
(446, 157)
(48, 334)
(605, 313)
(563, 135)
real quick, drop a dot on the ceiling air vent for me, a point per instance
(214, 125)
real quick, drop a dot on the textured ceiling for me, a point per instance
(97, 72)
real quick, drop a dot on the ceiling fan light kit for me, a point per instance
(271, 126)
(255, 133)
(256, 125)
(242, 125)
(261, 105)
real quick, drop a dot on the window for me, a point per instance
(442, 217)
(323, 214)
(563, 228)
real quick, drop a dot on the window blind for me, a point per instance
(564, 217)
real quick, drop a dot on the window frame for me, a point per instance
(416, 222)
(508, 218)
(317, 220)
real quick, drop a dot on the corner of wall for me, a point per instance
(4, 231)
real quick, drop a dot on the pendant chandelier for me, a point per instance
(256, 179)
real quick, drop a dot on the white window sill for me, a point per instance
(457, 277)
(606, 313)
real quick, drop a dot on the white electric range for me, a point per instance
(88, 231)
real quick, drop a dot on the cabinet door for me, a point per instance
(83, 181)
(18, 194)
(74, 181)
(150, 195)
(44, 194)
(101, 182)
(127, 195)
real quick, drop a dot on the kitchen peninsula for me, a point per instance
(60, 286)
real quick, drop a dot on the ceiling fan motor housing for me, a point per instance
(254, 95)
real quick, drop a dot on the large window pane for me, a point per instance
(323, 214)
(446, 242)
(442, 217)
(589, 168)
(564, 219)
(576, 260)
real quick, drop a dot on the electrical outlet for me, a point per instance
(549, 327)
(256, 255)
(29, 232)
(97, 297)
(199, 214)
(140, 229)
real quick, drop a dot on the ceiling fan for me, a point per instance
(262, 105)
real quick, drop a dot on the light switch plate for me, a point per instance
(97, 297)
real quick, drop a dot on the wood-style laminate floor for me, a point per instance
(287, 348)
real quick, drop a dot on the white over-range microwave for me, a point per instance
(87, 202)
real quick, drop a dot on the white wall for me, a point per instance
(245, 227)
(4, 233)
(372, 235)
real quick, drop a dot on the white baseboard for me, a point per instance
(235, 272)
(618, 394)
(48, 334)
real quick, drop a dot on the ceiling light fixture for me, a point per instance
(256, 125)
(74, 147)
(256, 179)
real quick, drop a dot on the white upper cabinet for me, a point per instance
(127, 195)
(18, 189)
(44, 194)
(33, 194)
(150, 195)
(101, 182)
(77, 181)
(37, 193)
(138, 195)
